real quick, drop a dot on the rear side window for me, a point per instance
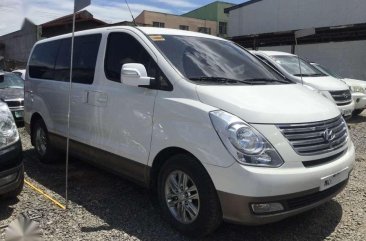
(42, 62)
(84, 62)
(122, 48)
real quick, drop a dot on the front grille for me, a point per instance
(15, 103)
(342, 97)
(317, 137)
(307, 200)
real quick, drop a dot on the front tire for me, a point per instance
(41, 141)
(15, 193)
(187, 196)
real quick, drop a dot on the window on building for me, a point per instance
(183, 27)
(122, 48)
(159, 24)
(222, 28)
(204, 30)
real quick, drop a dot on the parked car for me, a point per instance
(331, 88)
(358, 88)
(12, 93)
(213, 131)
(11, 163)
(20, 73)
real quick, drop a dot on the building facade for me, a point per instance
(165, 20)
(339, 41)
(15, 47)
(213, 12)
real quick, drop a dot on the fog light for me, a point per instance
(263, 208)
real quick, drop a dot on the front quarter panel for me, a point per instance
(185, 123)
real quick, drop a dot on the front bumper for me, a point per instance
(360, 101)
(296, 187)
(347, 110)
(11, 168)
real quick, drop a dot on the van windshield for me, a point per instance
(11, 80)
(215, 61)
(291, 65)
(327, 71)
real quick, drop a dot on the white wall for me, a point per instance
(268, 16)
(346, 58)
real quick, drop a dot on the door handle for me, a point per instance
(96, 98)
(102, 99)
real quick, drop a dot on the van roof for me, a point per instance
(145, 30)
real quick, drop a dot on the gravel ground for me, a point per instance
(106, 207)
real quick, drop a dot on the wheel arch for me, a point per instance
(161, 158)
(35, 117)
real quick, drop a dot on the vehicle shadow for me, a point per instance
(357, 119)
(126, 207)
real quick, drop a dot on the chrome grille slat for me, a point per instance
(317, 137)
(312, 129)
(303, 136)
(308, 142)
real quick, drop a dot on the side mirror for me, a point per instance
(135, 75)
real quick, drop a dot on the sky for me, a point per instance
(13, 12)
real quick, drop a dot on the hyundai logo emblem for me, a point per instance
(345, 95)
(328, 135)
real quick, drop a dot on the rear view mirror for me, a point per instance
(135, 75)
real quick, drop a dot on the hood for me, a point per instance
(12, 93)
(269, 104)
(355, 82)
(325, 83)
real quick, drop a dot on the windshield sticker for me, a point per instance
(157, 38)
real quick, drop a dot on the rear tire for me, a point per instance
(41, 142)
(187, 196)
(357, 112)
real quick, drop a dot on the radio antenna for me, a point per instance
(300, 34)
(129, 9)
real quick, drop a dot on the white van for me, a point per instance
(358, 88)
(328, 86)
(216, 133)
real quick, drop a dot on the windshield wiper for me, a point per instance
(308, 75)
(259, 81)
(219, 80)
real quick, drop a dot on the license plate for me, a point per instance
(347, 112)
(19, 114)
(334, 179)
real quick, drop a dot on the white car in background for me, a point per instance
(20, 73)
(358, 88)
(328, 86)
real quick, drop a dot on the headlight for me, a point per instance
(357, 89)
(244, 142)
(8, 130)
